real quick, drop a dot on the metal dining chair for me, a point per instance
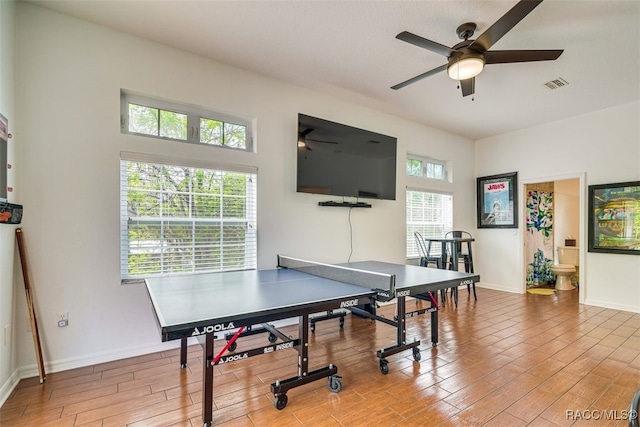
(463, 254)
(427, 257)
(424, 249)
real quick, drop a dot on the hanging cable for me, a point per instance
(350, 236)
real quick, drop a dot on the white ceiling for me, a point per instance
(348, 49)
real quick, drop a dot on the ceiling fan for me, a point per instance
(467, 59)
(303, 140)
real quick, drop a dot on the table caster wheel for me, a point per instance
(280, 401)
(272, 338)
(313, 327)
(335, 383)
(341, 322)
(384, 366)
(233, 346)
(416, 354)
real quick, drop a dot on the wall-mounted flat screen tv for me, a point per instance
(340, 160)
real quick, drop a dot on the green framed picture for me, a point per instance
(614, 218)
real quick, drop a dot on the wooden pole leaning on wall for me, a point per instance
(30, 305)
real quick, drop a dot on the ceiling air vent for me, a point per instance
(556, 83)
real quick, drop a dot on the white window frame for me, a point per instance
(428, 224)
(250, 220)
(425, 164)
(194, 114)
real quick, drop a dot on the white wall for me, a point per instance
(603, 146)
(8, 364)
(566, 212)
(69, 78)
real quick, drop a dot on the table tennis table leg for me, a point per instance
(207, 381)
(434, 321)
(401, 330)
(280, 387)
(401, 338)
(183, 353)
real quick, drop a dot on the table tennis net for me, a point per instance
(354, 276)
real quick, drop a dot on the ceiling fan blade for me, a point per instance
(420, 77)
(508, 56)
(323, 142)
(438, 48)
(468, 86)
(503, 25)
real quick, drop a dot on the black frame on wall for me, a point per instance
(497, 201)
(614, 218)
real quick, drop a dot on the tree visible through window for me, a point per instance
(160, 119)
(426, 168)
(179, 219)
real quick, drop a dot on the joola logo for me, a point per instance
(284, 345)
(403, 293)
(349, 303)
(384, 294)
(212, 328)
(466, 282)
(268, 349)
(233, 358)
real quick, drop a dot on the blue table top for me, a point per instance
(188, 304)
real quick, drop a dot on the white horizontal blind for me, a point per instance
(430, 214)
(180, 219)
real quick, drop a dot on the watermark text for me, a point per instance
(601, 414)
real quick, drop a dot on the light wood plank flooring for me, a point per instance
(505, 360)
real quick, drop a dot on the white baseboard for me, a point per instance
(496, 288)
(7, 388)
(603, 304)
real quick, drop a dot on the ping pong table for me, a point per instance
(201, 305)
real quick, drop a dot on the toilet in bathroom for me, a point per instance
(564, 270)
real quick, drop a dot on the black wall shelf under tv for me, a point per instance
(345, 204)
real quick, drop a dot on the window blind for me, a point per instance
(430, 214)
(180, 219)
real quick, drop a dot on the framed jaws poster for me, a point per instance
(497, 201)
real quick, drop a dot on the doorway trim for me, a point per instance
(581, 176)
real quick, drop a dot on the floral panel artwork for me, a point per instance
(539, 225)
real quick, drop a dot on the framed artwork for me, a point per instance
(614, 218)
(4, 136)
(497, 201)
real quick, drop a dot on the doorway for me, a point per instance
(554, 215)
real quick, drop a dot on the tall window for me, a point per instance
(180, 219)
(160, 119)
(430, 214)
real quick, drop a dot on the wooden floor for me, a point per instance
(505, 360)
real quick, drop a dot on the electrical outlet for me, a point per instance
(63, 319)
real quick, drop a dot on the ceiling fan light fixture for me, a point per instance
(466, 67)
